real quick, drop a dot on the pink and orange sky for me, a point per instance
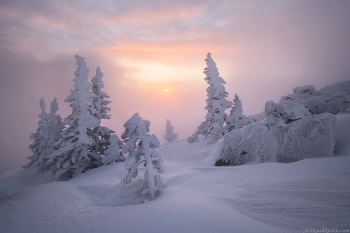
(263, 49)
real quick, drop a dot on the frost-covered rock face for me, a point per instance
(237, 121)
(334, 98)
(286, 111)
(252, 142)
(289, 133)
(309, 137)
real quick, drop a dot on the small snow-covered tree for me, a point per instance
(100, 134)
(39, 144)
(238, 107)
(72, 156)
(141, 148)
(213, 126)
(169, 132)
(193, 138)
(236, 119)
(113, 153)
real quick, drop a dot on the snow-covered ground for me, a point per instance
(197, 197)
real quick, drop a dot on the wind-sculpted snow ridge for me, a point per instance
(334, 98)
(289, 133)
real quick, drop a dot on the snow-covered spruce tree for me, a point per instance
(141, 148)
(236, 119)
(237, 105)
(73, 155)
(48, 133)
(52, 133)
(213, 126)
(169, 132)
(100, 134)
(113, 153)
(39, 143)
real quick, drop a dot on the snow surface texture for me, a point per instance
(289, 133)
(334, 98)
(213, 126)
(196, 198)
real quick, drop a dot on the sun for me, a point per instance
(166, 89)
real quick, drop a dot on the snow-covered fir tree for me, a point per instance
(39, 143)
(100, 134)
(113, 153)
(237, 105)
(237, 119)
(141, 148)
(48, 133)
(73, 155)
(52, 133)
(169, 132)
(213, 126)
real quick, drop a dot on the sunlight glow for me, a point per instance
(166, 90)
(149, 71)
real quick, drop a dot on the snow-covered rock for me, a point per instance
(342, 134)
(237, 121)
(289, 133)
(334, 98)
(286, 111)
(310, 137)
(254, 142)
